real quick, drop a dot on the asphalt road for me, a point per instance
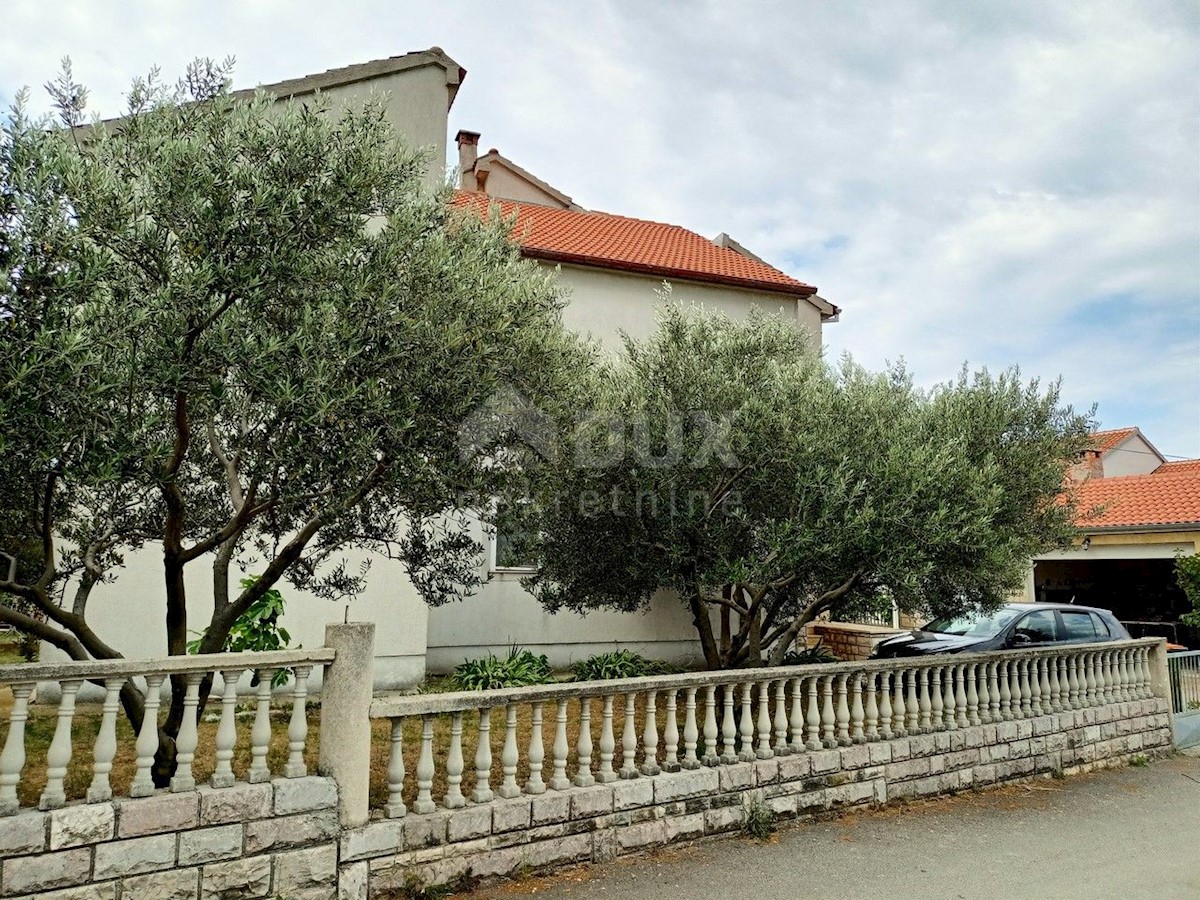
(1127, 833)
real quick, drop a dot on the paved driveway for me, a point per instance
(1122, 834)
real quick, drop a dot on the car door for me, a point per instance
(1035, 629)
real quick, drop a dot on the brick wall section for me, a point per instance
(847, 639)
(276, 839)
(282, 839)
(598, 823)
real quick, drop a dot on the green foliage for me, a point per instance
(759, 822)
(762, 484)
(1139, 761)
(1187, 576)
(256, 630)
(810, 656)
(617, 664)
(520, 668)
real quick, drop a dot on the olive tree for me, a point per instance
(728, 462)
(237, 333)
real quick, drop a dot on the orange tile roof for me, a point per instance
(1106, 440)
(1161, 498)
(632, 245)
(1178, 465)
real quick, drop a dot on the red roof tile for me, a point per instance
(1161, 498)
(632, 245)
(1106, 440)
(1179, 465)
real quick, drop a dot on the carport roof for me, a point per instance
(1168, 496)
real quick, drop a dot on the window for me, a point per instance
(1079, 626)
(1102, 632)
(1038, 627)
(508, 550)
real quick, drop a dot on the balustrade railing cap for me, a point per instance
(457, 701)
(171, 665)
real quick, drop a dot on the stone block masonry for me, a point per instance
(251, 841)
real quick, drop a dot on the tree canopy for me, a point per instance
(245, 331)
(728, 462)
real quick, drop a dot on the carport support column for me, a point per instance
(346, 717)
(1160, 677)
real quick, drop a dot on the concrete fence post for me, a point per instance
(1160, 675)
(345, 717)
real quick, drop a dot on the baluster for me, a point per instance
(857, 713)
(1089, 679)
(1020, 699)
(106, 743)
(260, 732)
(843, 715)
(711, 758)
(12, 759)
(537, 753)
(960, 697)
(608, 744)
(812, 731)
(483, 758)
(650, 764)
(454, 765)
(395, 807)
(898, 711)
(1106, 676)
(871, 730)
(797, 715)
(583, 749)
(671, 734)
(994, 692)
(185, 742)
(690, 732)
(1073, 681)
(424, 802)
(1064, 682)
(508, 756)
(1004, 677)
(1147, 681)
(728, 727)
(1055, 693)
(885, 705)
(147, 741)
(935, 700)
(298, 726)
(827, 715)
(746, 725)
(1131, 663)
(912, 710)
(971, 697)
(58, 757)
(985, 710)
(559, 780)
(948, 700)
(924, 705)
(1044, 684)
(1122, 670)
(782, 747)
(629, 739)
(764, 750)
(1035, 686)
(226, 741)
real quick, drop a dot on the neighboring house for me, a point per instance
(611, 267)
(1137, 512)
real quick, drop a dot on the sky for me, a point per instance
(991, 183)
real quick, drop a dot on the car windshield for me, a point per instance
(974, 624)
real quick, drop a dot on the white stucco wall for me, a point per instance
(503, 182)
(1133, 456)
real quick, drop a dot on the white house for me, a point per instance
(612, 267)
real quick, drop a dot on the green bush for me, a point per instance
(810, 656)
(519, 669)
(617, 664)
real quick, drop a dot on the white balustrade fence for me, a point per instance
(686, 721)
(148, 677)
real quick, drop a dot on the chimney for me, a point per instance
(468, 152)
(1089, 467)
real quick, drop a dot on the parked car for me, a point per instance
(1013, 625)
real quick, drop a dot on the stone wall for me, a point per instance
(275, 839)
(597, 823)
(848, 640)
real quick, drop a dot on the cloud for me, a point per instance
(1005, 183)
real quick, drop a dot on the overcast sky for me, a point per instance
(996, 183)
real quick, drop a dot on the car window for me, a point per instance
(1102, 632)
(1038, 626)
(1080, 626)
